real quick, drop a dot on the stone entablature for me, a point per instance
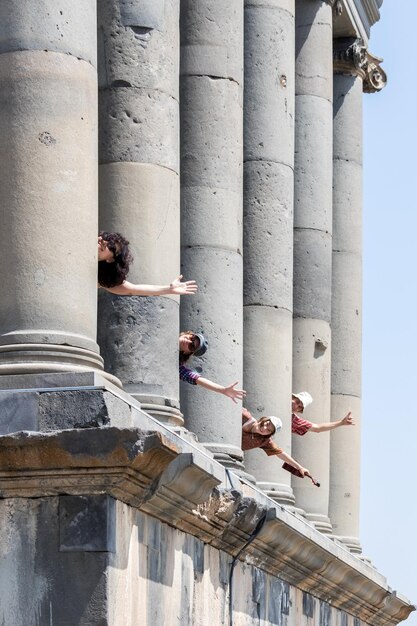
(153, 470)
(355, 17)
(367, 9)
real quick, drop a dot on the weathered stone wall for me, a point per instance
(82, 572)
(114, 526)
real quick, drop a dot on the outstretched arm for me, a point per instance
(286, 457)
(229, 391)
(321, 428)
(185, 288)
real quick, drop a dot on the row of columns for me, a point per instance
(288, 138)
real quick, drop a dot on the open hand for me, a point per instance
(185, 288)
(348, 420)
(234, 394)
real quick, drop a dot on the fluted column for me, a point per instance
(351, 66)
(268, 226)
(48, 186)
(139, 193)
(211, 210)
(312, 244)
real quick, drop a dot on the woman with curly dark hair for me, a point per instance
(114, 259)
(195, 344)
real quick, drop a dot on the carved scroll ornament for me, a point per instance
(351, 57)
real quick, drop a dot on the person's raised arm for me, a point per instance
(177, 287)
(321, 428)
(229, 391)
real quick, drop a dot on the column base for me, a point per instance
(242, 474)
(351, 543)
(367, 560)
(280, 493)
(229, 456)
(321, 522)
(165, 410)
(45, 358)
(182, 432)
(297, 511)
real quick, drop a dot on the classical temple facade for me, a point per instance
(224, 139)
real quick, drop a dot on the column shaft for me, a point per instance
(346, 306)
(48, 185)
(268, 226)
(139, 193)
(312, 244)
(211, 209)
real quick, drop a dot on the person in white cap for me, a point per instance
(260, 433)
(300, 426)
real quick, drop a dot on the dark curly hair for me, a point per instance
(114, 274)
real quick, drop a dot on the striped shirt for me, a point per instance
(188, 376)
(298, 425)
(254, 440)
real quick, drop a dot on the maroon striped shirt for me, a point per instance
(298, 425)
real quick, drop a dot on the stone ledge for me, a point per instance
(355, 18)
(166, 477)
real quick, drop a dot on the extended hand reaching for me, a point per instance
(186, 288)
(234, 394)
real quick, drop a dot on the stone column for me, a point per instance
(268, 226)
(211, 210)
(139, 193)
(351, 65)
(312, 244)
(48, 186)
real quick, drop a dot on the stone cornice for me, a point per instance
(164, 476)
(351, 57)
(371, 8)
(354, 18)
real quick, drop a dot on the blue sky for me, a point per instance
(389, 409)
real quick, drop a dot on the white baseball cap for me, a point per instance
(276, 422)
(304, 397)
